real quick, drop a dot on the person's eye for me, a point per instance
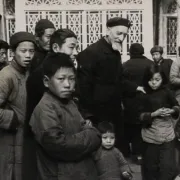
(61, 79)
(23, 50)
(32, 50)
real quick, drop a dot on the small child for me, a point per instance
(159, 107)
(110, 162)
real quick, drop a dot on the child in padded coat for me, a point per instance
(110, 162)
(159, 109)
(65, 143)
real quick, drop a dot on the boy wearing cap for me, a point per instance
(13, 105)
(4, 46)
(43, 31)
(165, 64)
(100, 77)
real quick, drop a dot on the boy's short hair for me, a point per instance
(55, 61)
(105, 127)
(60, 35)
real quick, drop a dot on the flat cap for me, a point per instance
(157, 49)
(21, 37)
(136, 49)
(43, 24)
(118, 21)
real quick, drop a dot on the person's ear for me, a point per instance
(107, 31)
(12, 53)
(46, 81)
(55, 48)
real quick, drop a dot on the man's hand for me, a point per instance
(141, 89)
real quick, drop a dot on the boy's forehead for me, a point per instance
(65, 71)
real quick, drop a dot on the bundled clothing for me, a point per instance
(175, 79)
(134, 70)
(12, 115)
(110, 164)
(64, 144)
(165, 65)
(158, 135)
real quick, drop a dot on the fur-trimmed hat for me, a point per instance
(43, 24)
(21, 37)
(136, 49)
(157, 49)
(118, 21)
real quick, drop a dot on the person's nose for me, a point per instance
(66, 83)
(28, 54)
(108, 140)
(75, 52)
(121, 37)
(4, 55)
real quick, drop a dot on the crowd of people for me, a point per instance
(66, 115)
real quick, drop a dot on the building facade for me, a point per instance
(153, 21)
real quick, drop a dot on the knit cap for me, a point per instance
(43, 24)
(21, 37)
(136, 49)
(118, 21)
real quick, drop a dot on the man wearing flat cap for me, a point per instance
(13, 104)
(100, 79)
(157, 56)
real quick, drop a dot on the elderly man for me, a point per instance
(100, 77)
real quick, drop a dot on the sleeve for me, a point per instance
(85, 82)
(50, 135)
(8, 118)
(123, 163)
(174, 104)
(174, 74)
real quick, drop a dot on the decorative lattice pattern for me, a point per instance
(10, 28)
(42, 2)
(172, 8)
(94, 26)
(88, 25)
(124, 1)
(31, 19)
(171, 35)
(74, 22)
(81, 2)
(135, 34)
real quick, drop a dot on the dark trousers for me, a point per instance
(159, 161)
(132, 134)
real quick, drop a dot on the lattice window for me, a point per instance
(10, 25)
(171, 35)
(124, 1)
(40, 2)
(135, 34)
(94, 26)
(81, 2)
(31, 19)
(74, 22)
(172, 8)
(55, 17)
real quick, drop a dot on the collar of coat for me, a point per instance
(18, 68)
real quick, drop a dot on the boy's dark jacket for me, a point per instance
(64, 146)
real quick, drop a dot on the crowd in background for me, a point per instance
(66, 115)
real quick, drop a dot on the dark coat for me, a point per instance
(101, 82)
(134, 70)
(165, 64)
(12, 116)
(35, 89)
(64, 144)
